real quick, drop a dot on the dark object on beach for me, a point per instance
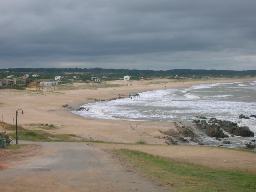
(242, 116)
(65, 106)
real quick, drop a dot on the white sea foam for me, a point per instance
(220, 96)
(204, 86)
(191, 96)
(172, 104)
(253, 83)
(242, 85)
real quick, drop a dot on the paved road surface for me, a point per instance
(72, 167)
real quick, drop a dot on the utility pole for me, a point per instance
(17, 113)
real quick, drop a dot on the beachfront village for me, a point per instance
(37, 82)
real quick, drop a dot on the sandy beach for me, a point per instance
(92, 166)
(47, 108)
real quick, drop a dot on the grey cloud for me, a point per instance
(143, 34)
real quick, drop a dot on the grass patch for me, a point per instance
(44, 126)
(39, 135)
(15, 147)
(141, 142)
(184, 177)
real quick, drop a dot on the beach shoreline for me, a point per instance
(48, 108)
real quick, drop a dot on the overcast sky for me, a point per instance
(141, 34)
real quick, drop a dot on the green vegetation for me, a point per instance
(69, 76)
(141, 142)
(40, 135)
(15, 147)
(183, 177)
(44, 126)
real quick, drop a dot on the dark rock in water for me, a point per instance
(196, 121)
(226, 142)
(244, 132)
(83, 109)
(254, 116)
(201, 117)
(215, 131)
(214, 128)
(250, 145)
(242, 116)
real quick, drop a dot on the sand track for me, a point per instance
(72, 167)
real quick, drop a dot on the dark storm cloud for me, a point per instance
(146, 34)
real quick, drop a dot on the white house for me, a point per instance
(10, 76)
(57, 78)
(26, 76)
(127, 78)
(35, 75)
(95, 79)
(48, 83)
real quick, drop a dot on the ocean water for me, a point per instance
(220, 100)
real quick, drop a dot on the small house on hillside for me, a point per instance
(57, 78)
(35, 75)
(8, 82)
(26, 76)
(96, 79)
(48, 83)
(10, 77)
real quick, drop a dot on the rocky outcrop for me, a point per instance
(182, 134)
(211, 129)
(253, 116)
(215, 131)
(251, 144)
(243, 131)
(215, 128)
(242, 116)
(83, 109)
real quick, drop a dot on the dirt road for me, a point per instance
(72, 167)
